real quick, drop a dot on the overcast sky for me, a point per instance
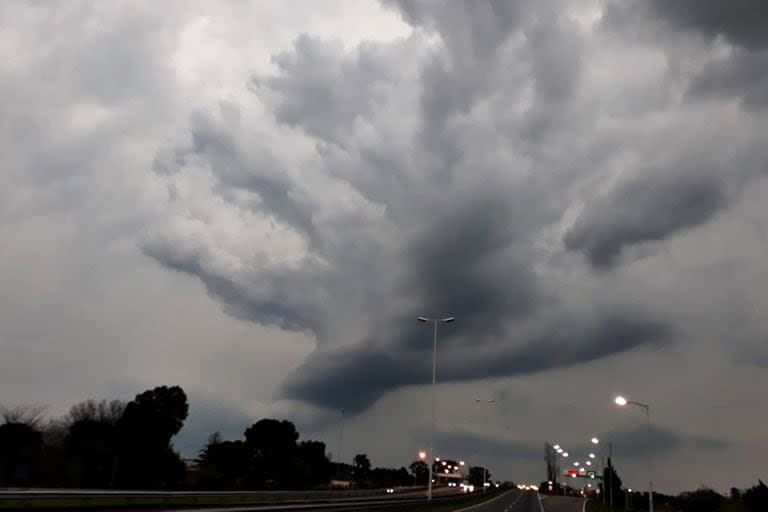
(254, 200)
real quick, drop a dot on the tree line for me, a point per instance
(113, 444)
(753, 499)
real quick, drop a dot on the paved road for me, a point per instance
(511, 501)
(562, 504)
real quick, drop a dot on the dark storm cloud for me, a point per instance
(743, 74)
(428, 191)
(742, 22)
(644, 208)
(468, 261)
(633, 443)
(474, 445)
(325, 378)
(427, 214)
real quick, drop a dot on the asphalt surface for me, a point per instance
(562, 504)
(528, 501)
(511, 501)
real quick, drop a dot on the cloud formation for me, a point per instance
(579, 186)
(412, 177)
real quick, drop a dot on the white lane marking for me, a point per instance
(483, 503)
(541, 506)
(584, 507)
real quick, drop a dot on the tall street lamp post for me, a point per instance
(434, 322)
(622, 402)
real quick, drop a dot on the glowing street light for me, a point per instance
(575, 463)
(422, 455)
(461, 463)
(565, 454)
(595, 440)
(557, 447)
(622, 402)
(591, 455)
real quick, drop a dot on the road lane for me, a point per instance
(512, 501)
(563, 504)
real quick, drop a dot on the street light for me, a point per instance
(557, 448)
(596, 440)
(622, 402)
(591, 455)
(434, 322)
(564, 454)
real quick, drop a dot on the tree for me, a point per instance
(54, 461)
(31, 415)
(146, 457)
(223, 464)
(756, 498)
(20, 446)
(476, 475)
(103, 411)
(612, 483)
(390, 477)
(318, 466)
(702, 500)
(420, 472)
(92, 451)
(362, 466)
(272, 444)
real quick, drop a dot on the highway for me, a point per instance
(563, 504)
(528, 501)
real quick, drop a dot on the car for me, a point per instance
(390, 491)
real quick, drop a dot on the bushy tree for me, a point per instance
(272, 446)
(476, 475)
(702, 500)
(420, 472)
(756, 498)
(20, 446)
(612, 483)
(318, 466)
(362, 467)
(146, 458)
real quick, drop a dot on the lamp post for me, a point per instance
(434, 322)
(622, 402)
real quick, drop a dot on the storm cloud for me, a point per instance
(257, 206)
(423, 179)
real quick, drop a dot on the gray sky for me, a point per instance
(254, 200)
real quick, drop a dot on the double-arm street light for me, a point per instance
(622, 402)
(434, 322)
